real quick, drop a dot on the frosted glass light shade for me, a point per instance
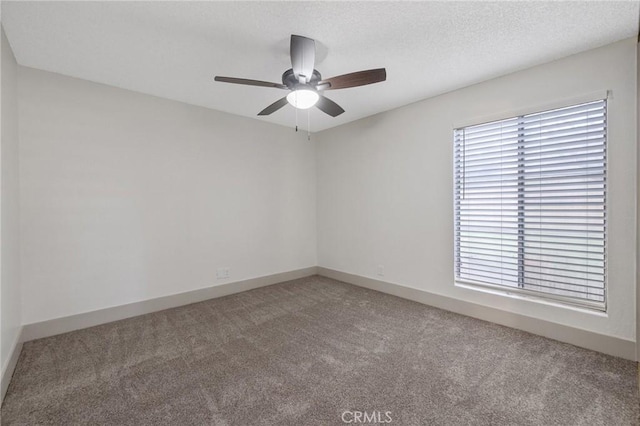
(303, 98)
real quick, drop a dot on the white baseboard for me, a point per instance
(587, 339)
(89, 319)
(10, 365)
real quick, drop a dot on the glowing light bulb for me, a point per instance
(303, 98)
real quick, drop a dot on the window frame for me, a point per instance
(503, 290)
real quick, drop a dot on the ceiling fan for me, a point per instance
(305, 83)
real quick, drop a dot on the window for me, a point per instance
(530, 198)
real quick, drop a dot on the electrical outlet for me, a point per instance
(223, 273)
(380, 270)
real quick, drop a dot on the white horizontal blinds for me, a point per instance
(564, 201)
(486, 167)
(530, 203)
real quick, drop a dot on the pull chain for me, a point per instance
(296, 95)
(309, 124)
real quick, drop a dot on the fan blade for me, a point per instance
(354, 79)
(327, 106)
(303, 57)
(249, 82)
(274, 106)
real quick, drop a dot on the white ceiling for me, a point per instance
(174, 49)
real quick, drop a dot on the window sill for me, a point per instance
(518, 294)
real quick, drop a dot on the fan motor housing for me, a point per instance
(290, 80)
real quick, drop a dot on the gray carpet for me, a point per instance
(304, 352)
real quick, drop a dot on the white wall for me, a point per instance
(385, 184)
(10, 317)
(127, 197)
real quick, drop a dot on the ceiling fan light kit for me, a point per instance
(305, 83)
(303, 98)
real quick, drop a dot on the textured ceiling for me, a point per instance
(174, 49)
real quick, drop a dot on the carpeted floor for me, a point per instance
(311, 352)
